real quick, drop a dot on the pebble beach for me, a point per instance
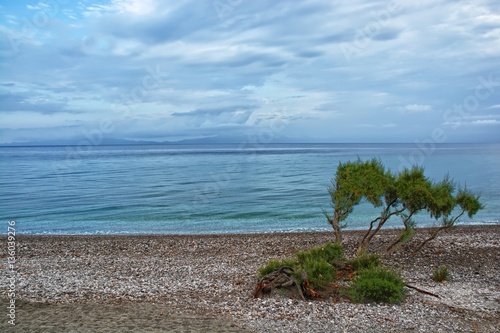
(204, 283)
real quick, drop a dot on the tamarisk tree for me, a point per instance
(399, 195)
(353, 182)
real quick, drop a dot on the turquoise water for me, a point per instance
(178, 189)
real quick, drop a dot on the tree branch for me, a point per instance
(422, 291)
(438, 230)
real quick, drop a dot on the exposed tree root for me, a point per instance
(283, 278)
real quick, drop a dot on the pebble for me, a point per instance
(192, 274)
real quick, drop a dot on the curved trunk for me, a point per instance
(386, 214)
(336, 228)
(403, 235)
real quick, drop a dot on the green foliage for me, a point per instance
(442, 202)
(373, 282)
(468, 202)
(440, 274)
(377, 284)
(413, 189)
(357, 180)
(274, 264)
(365, 261)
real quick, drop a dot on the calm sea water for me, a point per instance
(174, 189)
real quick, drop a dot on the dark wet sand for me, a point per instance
(129, 317)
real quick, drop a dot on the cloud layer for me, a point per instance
(358, 71)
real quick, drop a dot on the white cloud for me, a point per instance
(136, 7)
(417, 108)
(486, 122)
(471, 122)
(38, 6)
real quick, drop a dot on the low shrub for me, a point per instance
(365, 261)
(372, 283)
(440, 274)
(377, 284)
(318, 263)
(319, 271)
(274, 264)
(329, 252)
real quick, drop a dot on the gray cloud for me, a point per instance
(233, 71)
(17, 102)
(213, 112)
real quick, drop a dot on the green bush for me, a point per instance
(317, 263)
(372, 283)
(440, 274)
(377, 284)
(365, 261)
(319, 271)
(274, 264)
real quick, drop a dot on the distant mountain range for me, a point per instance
(113, 141)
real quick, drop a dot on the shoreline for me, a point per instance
(326, 230)
(212, 276)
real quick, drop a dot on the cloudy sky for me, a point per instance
(303, 71)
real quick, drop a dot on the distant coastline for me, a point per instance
(216, 141)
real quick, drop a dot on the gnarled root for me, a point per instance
(283, 278)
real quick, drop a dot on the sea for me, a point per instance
(214, 188)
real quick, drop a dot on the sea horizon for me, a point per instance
(236, 143)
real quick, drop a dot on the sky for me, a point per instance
(272, 71)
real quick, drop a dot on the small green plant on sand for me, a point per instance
(377, 284)
(440, 274)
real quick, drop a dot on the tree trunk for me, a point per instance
(401, 238)
(436, 233)
(363, 245)
(336, 227)
(433, 236)
(397, 241)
